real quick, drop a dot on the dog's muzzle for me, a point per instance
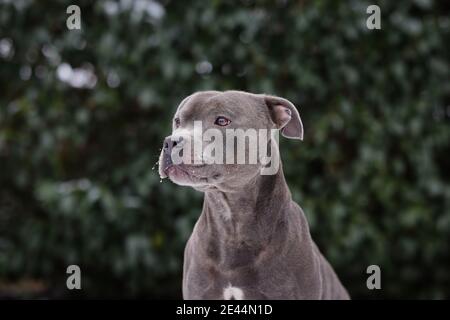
(169, 145)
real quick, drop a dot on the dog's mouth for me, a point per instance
(188, 176)
(188, 169)
(186, 173)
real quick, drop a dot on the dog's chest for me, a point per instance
(244, 283)
(234, 279)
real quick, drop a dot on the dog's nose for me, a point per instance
(170, 143)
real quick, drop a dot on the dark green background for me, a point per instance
(77, 184)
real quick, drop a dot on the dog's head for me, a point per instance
(223, 139)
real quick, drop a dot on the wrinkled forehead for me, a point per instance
(227, 103)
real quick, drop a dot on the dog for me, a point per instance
(251, 241)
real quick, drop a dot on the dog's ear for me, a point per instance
(285, 116)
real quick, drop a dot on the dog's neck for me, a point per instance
(250, 214)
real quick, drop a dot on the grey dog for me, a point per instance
(251, 241)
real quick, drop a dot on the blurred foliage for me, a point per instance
(83, 114)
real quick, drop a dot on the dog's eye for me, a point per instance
(222, 121)
(177, 122)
